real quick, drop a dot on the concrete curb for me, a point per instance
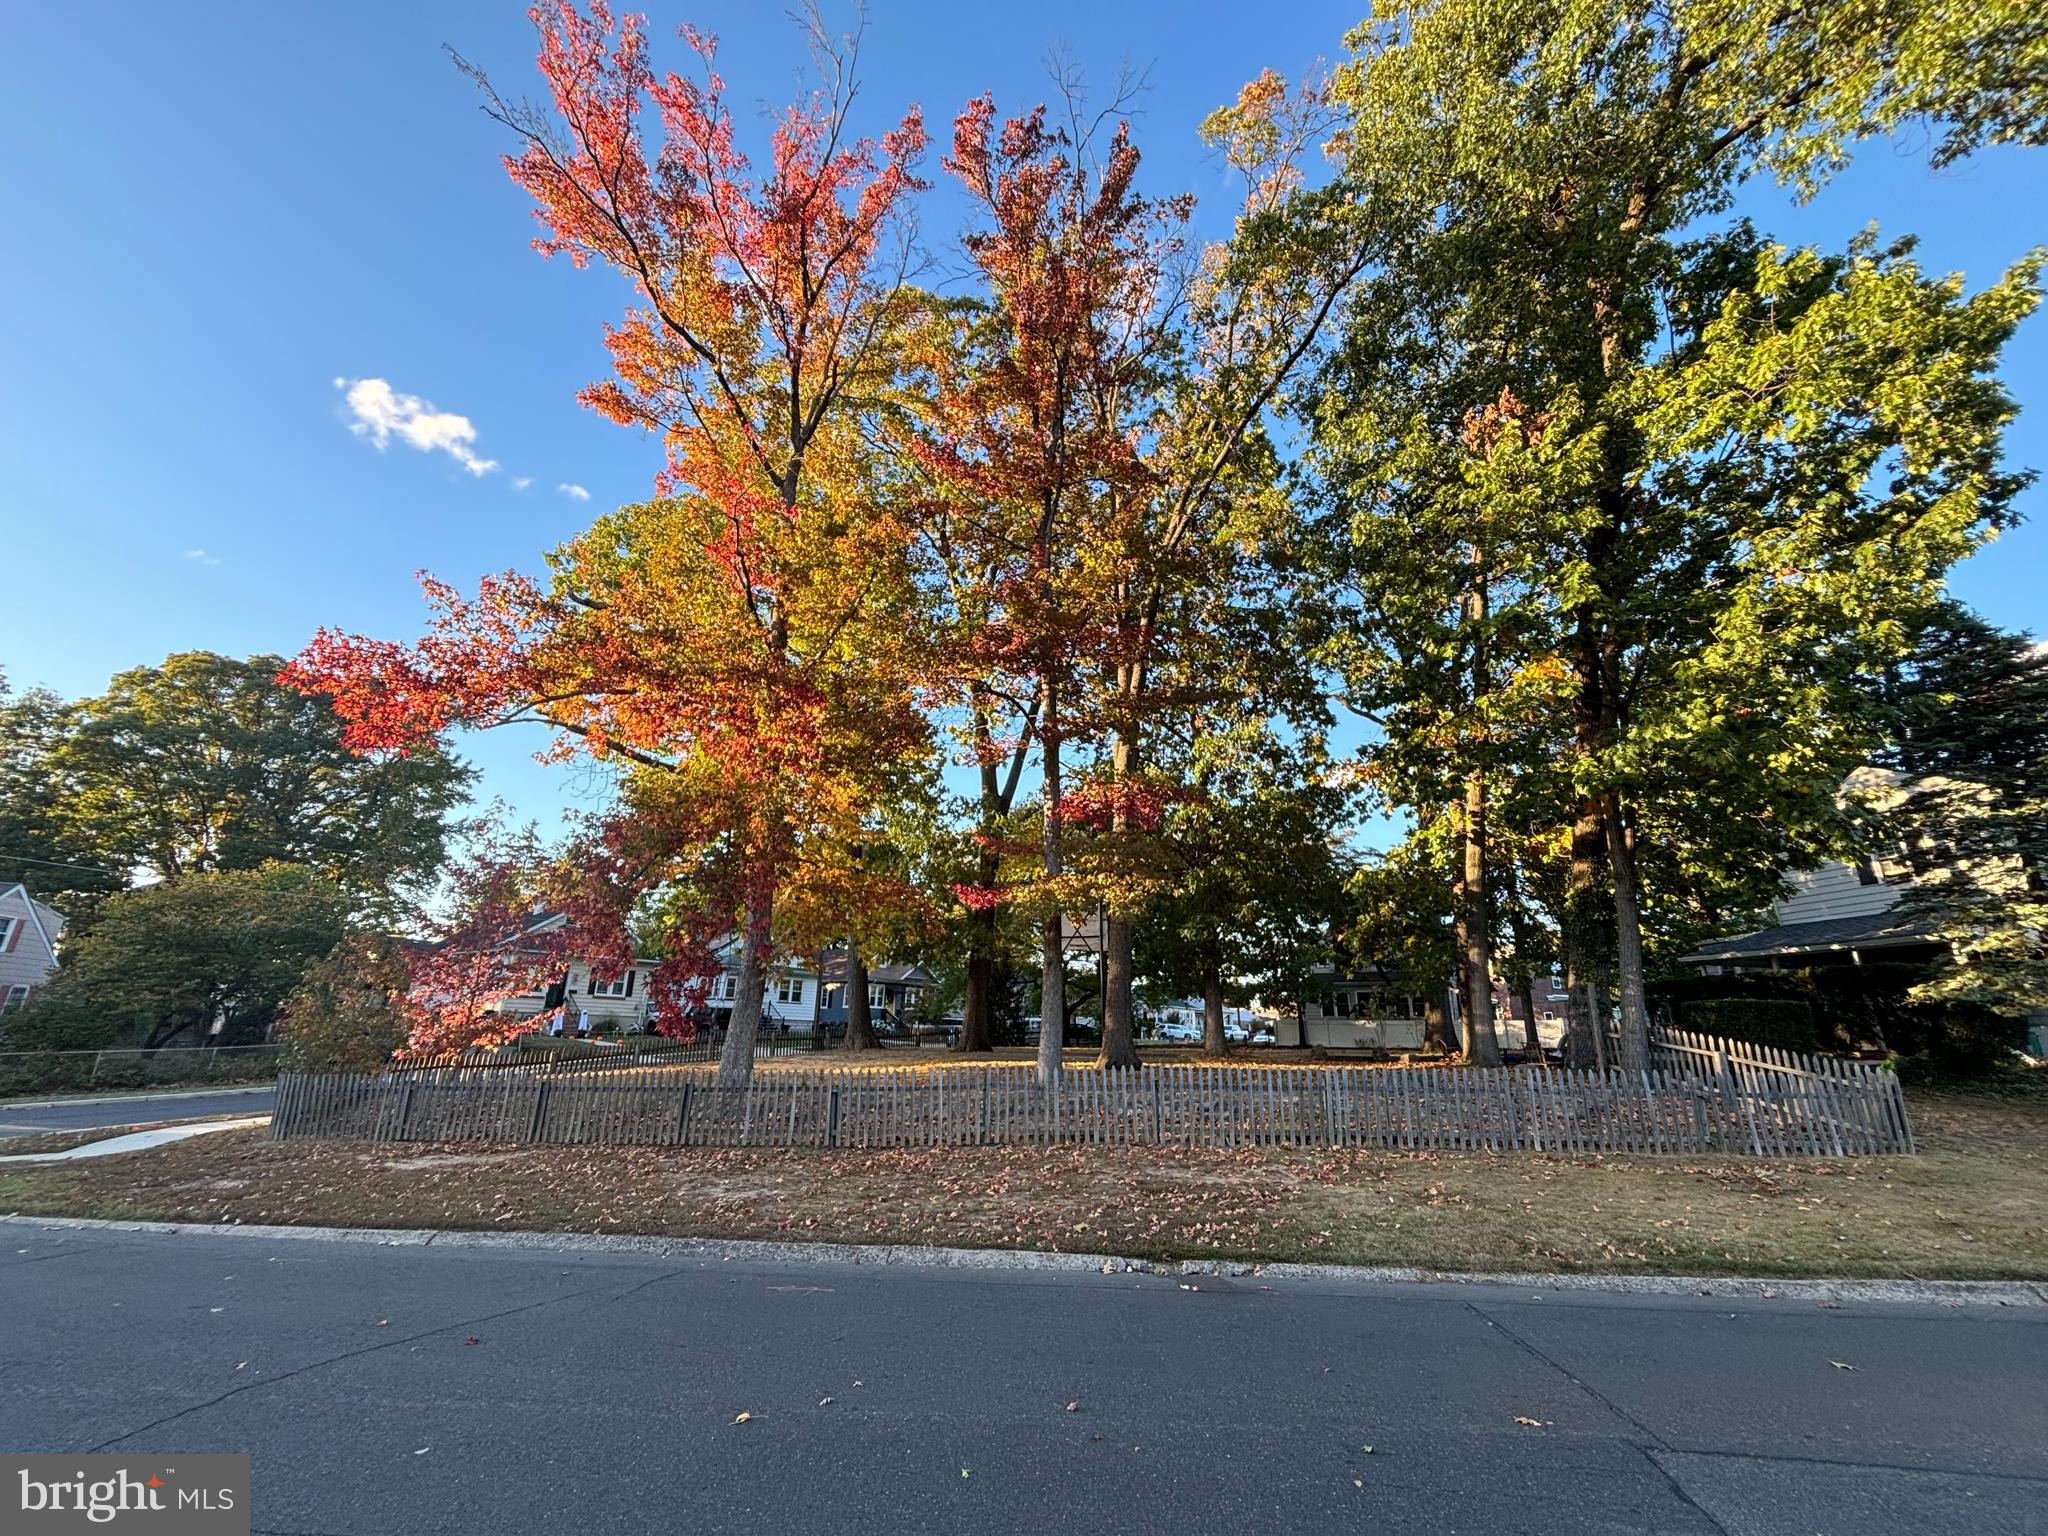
(1950, 1293)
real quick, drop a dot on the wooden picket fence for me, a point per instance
(1733, 1108)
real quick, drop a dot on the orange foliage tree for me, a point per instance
(743, 647)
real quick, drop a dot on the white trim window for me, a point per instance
(726, 988)
(7, 927)
(17, 997)
(878, 996)
(789, 989)
(623, 987)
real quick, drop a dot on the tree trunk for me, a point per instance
(1119, 1033)
(736, 1060)
(1052, 984)
(1436, 1026)
(1628, 941)
(977, 1011)
(1532, 1043)
(1213, 1041)
(1475, 924)
(860, 1028)
(1119, 1028)
(1585, 926)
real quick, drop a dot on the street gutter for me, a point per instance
(1950, 1293)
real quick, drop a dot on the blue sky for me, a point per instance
(215, 212)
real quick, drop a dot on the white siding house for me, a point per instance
(622, 1003)
(28, 945)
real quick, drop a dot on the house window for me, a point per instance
(623, 987)
(789, 989)
(878, 995)
(17, 997)
(7, 927)
(725, 988)
(1873, 870)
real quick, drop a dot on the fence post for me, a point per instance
(683, 1116)
(832, 1116)
(540, 1111)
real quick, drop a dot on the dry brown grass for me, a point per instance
(1974, 1205)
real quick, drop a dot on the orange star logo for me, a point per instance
(155, 1481)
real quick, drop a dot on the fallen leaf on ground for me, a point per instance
(823, 1401)
(1841, 1365)
(472, 1339)
(1358, 1482)
(423, 1450)
(1074, 1406)
(1524, 1419)
(743, 1418)
(963, 1472)
(382, 1322)
(1367, 1449)
(1830, 1306)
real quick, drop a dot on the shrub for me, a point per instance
(1784, 1024)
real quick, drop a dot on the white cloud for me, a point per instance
(202, 557)
(521, 482)
(381, 413)
(573, 491)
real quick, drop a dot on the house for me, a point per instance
(1553, 1011)
(1841, 912)
(622, 1003)
(898, 992)
(28, 945)
(1352, 1012)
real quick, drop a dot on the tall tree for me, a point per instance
(40, 846)
(1734, 559)
(208, 764)
(1035, 441)
(744, 643)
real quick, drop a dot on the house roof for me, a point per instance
(44, 918)
(1879, 930)
(893, 974)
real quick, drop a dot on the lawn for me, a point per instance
(1973, 1205)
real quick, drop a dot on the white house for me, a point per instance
(1350, 1012)
(28, 945)
(622, 1003)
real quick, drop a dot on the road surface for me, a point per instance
(131, 1109)
(384, 1389)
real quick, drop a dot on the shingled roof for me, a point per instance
(1880, 930)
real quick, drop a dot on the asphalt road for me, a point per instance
(130, 1109)
(386, 1390)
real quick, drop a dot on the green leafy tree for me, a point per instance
(1781, 451)
(1971, 713)
(39, 846)
(1250, 876)
(207, 764)
(168, 962)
